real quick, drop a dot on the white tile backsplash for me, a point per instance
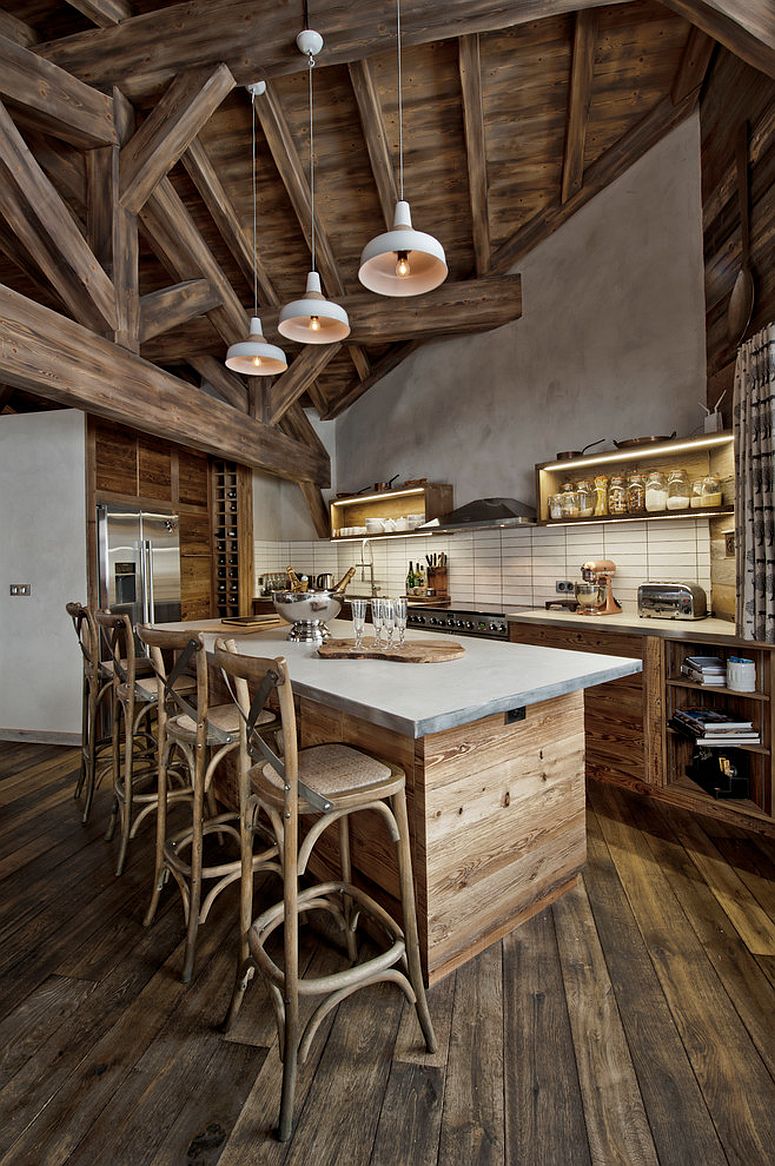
(517, 567)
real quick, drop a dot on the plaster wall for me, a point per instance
(279, 509)
(43, 541)
(611, 344)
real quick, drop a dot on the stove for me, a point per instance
(487, 625)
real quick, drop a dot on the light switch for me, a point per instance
(21, 589)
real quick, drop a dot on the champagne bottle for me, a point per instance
(297, 584)
(340, 587)
(409, 579)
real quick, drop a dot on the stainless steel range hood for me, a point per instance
(482, 514)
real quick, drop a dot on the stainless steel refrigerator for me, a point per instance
(138, 554)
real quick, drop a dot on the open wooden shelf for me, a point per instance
(677, 682)
(746, 745)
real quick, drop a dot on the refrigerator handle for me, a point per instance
(148, 602)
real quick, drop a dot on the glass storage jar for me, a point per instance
(656, 492)
(706, 492)
(617, 496)
(678, 490)
(555, 506)
(601, 495)
(569, 502)
(636, 493)
(586, 497)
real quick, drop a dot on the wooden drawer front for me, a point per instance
(583, 639)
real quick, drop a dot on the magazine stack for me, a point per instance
(711, 728)
(705, 669)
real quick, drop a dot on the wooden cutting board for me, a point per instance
(410, 652)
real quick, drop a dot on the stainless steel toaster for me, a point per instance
(672, 601)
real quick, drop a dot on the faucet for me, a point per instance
(367, 563)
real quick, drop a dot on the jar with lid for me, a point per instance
(569, 503)
(586, 498)
(678, 490)
(636, 493)
(601, 495)
(555, 506)
(617, 495)
(656, 492)
(706, 492)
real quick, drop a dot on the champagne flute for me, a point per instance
(399, 617)
(388, 620)
(359, 620)
(376, 619)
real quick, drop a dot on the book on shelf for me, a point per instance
(706, 663)
(711, 719)
(707, 678)
(715, 740)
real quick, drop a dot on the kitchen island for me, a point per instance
(493, 749)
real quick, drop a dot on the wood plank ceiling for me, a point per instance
(511, 124)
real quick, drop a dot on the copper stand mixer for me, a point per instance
(595, 595)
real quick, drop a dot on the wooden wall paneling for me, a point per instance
(694, 65)
(192, 480)
(654, 712)
(196, 583)
(61, 104)
(60, 360)
(116, 459)
(154, 468)
(470, 67)
(579, 98)
(36, 212)
(167, 132)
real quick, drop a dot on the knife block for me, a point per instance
(437, 580)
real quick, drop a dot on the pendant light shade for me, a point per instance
(402, 262)
(255, 357)
(313, 319)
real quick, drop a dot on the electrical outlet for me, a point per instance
(21, 589)
(729, 543)
(563, 586)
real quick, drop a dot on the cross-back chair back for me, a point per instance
(92, 693)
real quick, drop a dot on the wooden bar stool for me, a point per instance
(200, 737)
(96, 693)
(324, 784)
(135, 700)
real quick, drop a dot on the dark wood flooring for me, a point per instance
(630, 1023)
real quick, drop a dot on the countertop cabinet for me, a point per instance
(628, 738)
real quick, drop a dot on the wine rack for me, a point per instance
(231, 509)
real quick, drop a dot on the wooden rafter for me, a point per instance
(254, 39)
(211, 190)
(188, 104)
(177, 241)
(745, 27)
(648, 131)
(391, 360)
(473, 125)
(42, 222)
(306, 367)
(375, 137)
(230, 386)
(297, 424)
(317, 509)
(16, 30)
(172, 306)
(694, 65)
(103, 13)
(45, 353)
(61, 104)
(579, 98)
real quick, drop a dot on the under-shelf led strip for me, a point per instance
(636, 452)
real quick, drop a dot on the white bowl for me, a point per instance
(375, 526)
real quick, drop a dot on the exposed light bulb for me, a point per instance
(256, 362)
(314, 323)
(402, 266)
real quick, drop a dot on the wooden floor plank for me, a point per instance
(617, 1126)
(735, 1083)
(544, 1112)
(678, 1117)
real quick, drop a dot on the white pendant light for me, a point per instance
(312, 319)
(402, 261)
(255, 357)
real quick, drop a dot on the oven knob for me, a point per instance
(450, 623)
(469, 623)
(493, 627)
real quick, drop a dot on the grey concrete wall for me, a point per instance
(279, 509)
(43, 542)
(611, 344)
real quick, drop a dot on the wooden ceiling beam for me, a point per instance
(391, 360)
(694, 65)
(36, 213)
(160, 311)
(230, 386)
(296, 423)
(648, 131)
(144, 53)
(470, 69)
(306, 367)
(375, 137)
(62, 105)
(47, 354)
(745, 27)
(183, 251)
(164, 136)
(318, 511)
(103, 13)
(16, 30)
(579, 98)
(211, 190)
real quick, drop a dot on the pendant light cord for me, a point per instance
(255, 227)
(400, 107)
(312, 163)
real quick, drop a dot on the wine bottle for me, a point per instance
(409, 579)
(340, 587)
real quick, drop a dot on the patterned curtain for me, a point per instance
(754, 427)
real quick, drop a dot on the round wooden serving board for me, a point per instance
(410, 652)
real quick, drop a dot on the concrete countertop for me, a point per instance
(712, 630)
(417, 699)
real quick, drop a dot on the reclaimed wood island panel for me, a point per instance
(493, 749)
